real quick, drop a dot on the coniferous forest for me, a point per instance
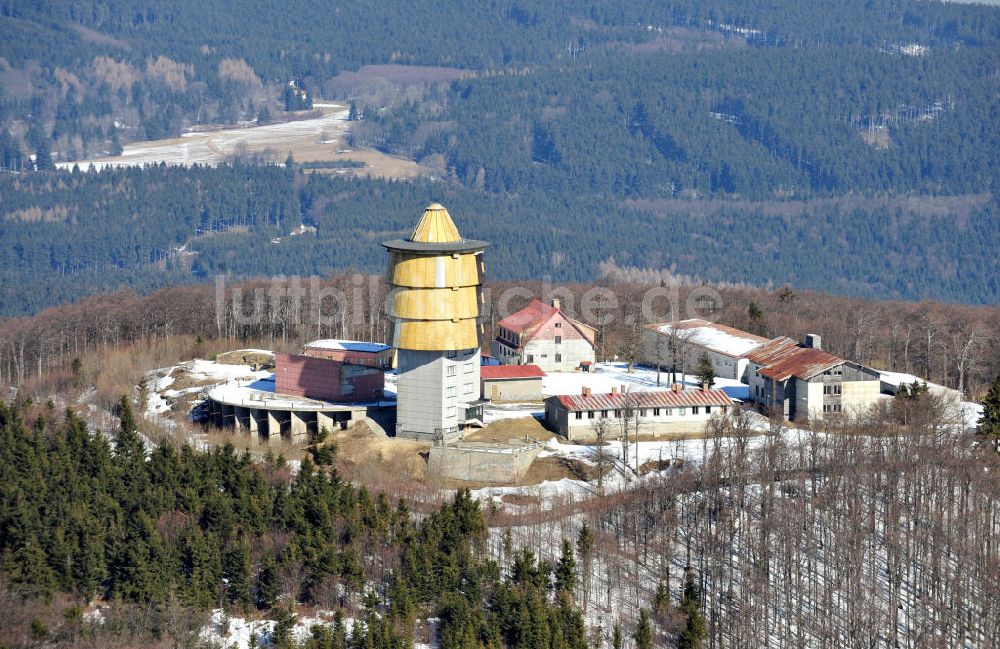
(827, 167)
(851, 148)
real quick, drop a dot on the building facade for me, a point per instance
(673, 412)
(328, 380)
(434, 302)
(511, 382)
(807, 383)
(541, 334)
(680, 345)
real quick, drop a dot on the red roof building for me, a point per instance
(511, 382)
(542, 334)
(675, 412)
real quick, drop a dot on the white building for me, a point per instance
(541, 334)
(673, 412)
(680, 345)
(805, 382)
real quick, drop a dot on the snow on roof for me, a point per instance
(500, 372)
(716, 337)
(900, 378)
(347, 345)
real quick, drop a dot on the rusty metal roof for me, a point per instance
(772, 351)
(802, 363)
(663, 399)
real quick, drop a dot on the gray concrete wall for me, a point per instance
(513, 389)
(433, 390)
(500, 464)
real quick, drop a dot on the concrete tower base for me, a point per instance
(434, 389)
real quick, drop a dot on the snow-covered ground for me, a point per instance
(199, 371)
(227, 632)
(213, 147)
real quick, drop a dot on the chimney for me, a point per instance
(676, 387)
(623, 390)
(614, 390)
(704, 387)
(586, 391)
(555, 302)
(814, 341)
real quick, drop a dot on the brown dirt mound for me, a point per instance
(508, 429)
(245, 357)
(365, 455)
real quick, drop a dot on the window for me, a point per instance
(670, 412)
(451, 391)
(642, 413)
(468, 368)
(618, 414)
(452, 353)
(451, 370)
(590, 414)
(558, 340)
(578, 414)
(694, 410)
(604, 414)
(452, 412)
(682, 411)
(559, 358)
(468, 388)
(656, 412)
(530, 359)
(558, 325)
(832, 389)
(708, 410)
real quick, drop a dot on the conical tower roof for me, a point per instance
(435, 226)
(435, 233)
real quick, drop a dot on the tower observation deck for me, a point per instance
(434, 303)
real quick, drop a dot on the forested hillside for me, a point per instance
(851, 147)
(195, 530)
(63, 236)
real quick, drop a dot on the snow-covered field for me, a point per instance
(213, 147)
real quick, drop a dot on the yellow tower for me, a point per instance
(435, 295)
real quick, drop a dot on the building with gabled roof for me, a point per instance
(673, 411)
(541, 334)
(805, 382)
(511, 382)
(680, 345)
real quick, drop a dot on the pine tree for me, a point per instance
(694, 631)
(643, 631)
(756, 314)
(566, 569)
(661, 602)
(706, 370)
(617, 641)
(989, 422)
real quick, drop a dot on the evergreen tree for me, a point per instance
(617, 641)
(989, 422)
(566, 569)
(643, 631)
(756, 315)
(661, 602)
(706, 370)
(694, 631)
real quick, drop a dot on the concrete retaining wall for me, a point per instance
(493, 463)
